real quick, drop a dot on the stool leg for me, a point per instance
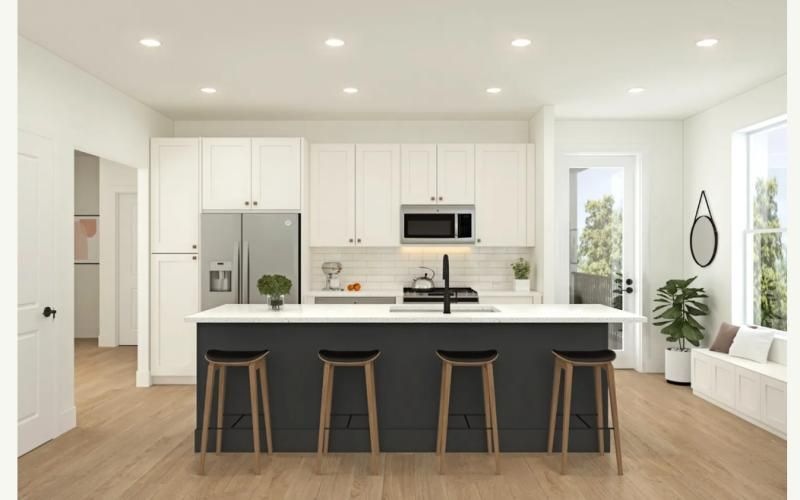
(493, 407)
(551, 431)
(323, 410)
(598, 399)
(448, 375)
(206, 416)
(254, 412)
(486, 411)
(565, 418)
(265, 404)
(441, 403)
(612, 390)
(329, 405)
(372, 410)
(220, 407)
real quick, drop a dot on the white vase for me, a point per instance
(678, 366)
(522, 285)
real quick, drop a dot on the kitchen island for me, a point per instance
(407, 372)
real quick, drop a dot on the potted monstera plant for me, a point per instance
(275, 287)
(677, 305)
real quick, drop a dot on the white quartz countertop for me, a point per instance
(415, 313)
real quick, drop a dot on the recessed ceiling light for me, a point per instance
(208, 90)
(334, 42)
(707, 42)
(521, 42)
(635, 90)
(350, 90)
(494, 90)
(150, 42)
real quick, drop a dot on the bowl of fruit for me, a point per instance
(354, 287)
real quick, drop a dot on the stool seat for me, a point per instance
(467, 357)
(245, 357)
(354, 357)
(601, 356)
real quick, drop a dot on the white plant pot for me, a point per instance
(678, 366)
(522, 285)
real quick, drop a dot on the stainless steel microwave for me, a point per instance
(435, 224)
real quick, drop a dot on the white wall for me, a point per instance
(77, 111)
(404, 131)
(114, 179)
(87, 288)
(709, 165)
(658, 145)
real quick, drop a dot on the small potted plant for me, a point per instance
(522, 273)
(678, 304)
(275, 287)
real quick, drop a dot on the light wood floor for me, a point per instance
(137, 443)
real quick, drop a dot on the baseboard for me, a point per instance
(174, 379)
(143, 379)
(739, 414)
(67, 420)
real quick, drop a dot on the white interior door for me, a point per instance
(35, 265)
(126, 268)
(603, 242)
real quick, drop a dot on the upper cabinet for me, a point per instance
(252, 174)
(377, 194)
(455, 174)
(276, 174)
(418, 167)
(500, 194)
(174, 194)
(332, 195)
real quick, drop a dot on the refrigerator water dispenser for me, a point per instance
(220, 276)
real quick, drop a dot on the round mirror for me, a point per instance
(703, 240)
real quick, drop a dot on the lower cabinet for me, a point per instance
(174, 283)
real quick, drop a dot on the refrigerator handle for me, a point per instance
(246, 274)
(235, 275)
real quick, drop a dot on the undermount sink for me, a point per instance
(437, 308)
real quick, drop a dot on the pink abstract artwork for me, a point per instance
(87, 246)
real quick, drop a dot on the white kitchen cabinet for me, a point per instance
(455, 174)
(500, 194)
(276, 174)
(174, 195)
(377, 195)
(332, 195)
(174, 295)
(418, 174)
(226, 173)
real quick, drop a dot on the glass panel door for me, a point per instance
(601, 257)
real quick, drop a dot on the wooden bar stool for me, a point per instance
(330, 360)
(566, 361)
(256, 362)
(475, 359)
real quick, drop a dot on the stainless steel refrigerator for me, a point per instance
(237, 249)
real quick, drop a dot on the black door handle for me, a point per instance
(49, 311)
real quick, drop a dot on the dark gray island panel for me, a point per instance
(407, 381)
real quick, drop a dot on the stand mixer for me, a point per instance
(332, 270)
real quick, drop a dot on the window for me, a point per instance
(767, 220)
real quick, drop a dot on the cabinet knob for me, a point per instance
(358, 240)
(433, 198)
(441, 198)
(350, 240)
(194, 257)
(479, 240)
(194, 246)
(255, 203)
(246, 203)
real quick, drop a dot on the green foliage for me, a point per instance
(522, 269)
(274, 285)
(769, 259)
(600, 247)
(678, 304)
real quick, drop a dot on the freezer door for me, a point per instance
(220, 258)
(270, 245)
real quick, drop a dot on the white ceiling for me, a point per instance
(417, 58)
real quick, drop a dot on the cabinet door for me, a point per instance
(377, 195)
(174, 194)
(332, 195)
(455, 174)
(418, 174)
(276, 174)
(173, 296)
(773, 403)
(703, 374)
(500, 194)
(748, 393)
(725, 384)
(226, 173)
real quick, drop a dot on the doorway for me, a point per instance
(603, 242)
